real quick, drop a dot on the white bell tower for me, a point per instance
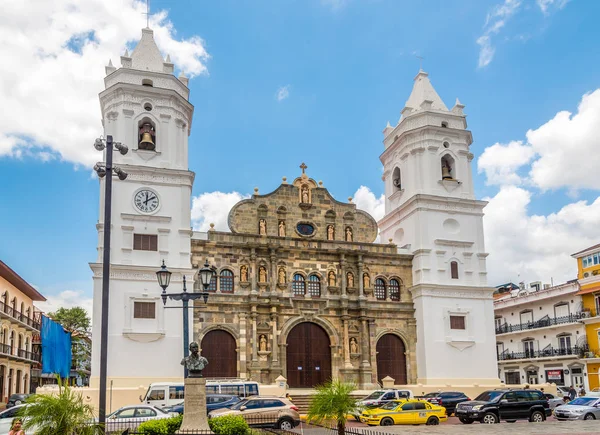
(432, 212)
(147, 108)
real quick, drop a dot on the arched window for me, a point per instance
(314, 286)
(212, 287)
(5, 301)
(226, 281)
(14, 306)
(448, 167)
(397, 180)
(454, 269)
(22, 313)
(394, 290)
(298, 285)
(380, 289)
(11, 342)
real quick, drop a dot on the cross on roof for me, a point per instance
(147, 13)
(420, 62)
(303, 167)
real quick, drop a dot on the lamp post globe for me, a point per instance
(206, 275)
(163, 276)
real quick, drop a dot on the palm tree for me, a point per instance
(65, 413)
(333, 401)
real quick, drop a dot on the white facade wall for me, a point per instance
(538, 335)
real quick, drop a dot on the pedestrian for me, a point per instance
(572, 393)
(582, 391)
(526, 387)
(288, 397)
(15, 428)
(542, 390)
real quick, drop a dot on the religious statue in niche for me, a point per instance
(262, 274)
(281, 229)
(281, 276)
(330, 232)
(147, 137)
(348, 234)
(366, 281)
(331, 278)
(244, 273)
(305, 196)
(262, 343)
(262, 227)
(350, 279)
(353, 345)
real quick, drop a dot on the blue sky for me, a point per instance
(314, 81)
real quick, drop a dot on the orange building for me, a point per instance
(588, 275)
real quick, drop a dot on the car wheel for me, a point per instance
(536, 417)
(490, 418)
(433, 421)
(387, 422)
(285, 424)
(465, 420)
(589, 417)
(18, 402)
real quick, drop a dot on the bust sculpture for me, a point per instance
(194, 363)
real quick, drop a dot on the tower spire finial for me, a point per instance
(147, 13)
(420, 62)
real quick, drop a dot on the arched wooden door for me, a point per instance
(219, 348)
(308, 356)
(391, 360)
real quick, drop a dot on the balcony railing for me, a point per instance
(547, 352)
(542, 323)
(21, 317)
(7, 350)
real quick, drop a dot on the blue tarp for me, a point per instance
(56, 348)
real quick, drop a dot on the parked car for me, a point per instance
(495, 405)
(380, 397)
(404, 412)
(447, 399)
(213, 401)
(554, 401)
(16, 399)
(582, 408)
(130, 417)
(6, 418)
(259, 411)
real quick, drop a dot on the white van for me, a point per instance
(161, 394)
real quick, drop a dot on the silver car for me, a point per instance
(582, 408)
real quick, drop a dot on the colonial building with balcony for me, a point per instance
(19, 322)
(588, 276)
(539, 334)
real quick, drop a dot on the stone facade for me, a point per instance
(280, 282)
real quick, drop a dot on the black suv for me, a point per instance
(447, 399)
(495, 405)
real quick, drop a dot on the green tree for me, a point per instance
(333, 401)
(77, 322)
(64, 413)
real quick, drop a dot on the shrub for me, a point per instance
(229, 425)
(165, 426)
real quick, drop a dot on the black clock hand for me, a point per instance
(149, 199)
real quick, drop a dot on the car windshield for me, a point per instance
(431, 395)
(374, 395)
(239, 404)
(583, 401)
(390, 405)
(489, 396)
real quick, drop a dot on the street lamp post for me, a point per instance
(164, 278)
(103, 169)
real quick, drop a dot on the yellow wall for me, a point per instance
(593, 370)
(590, 270)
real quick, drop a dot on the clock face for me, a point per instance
(146, 201)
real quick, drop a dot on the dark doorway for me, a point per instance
(391, 360)
(2, 374)
(218, 347)
(308, 356)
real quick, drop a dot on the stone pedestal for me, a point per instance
(194, 406)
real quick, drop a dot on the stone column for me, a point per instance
(343, 274)
(274, 275)
(253, 316)
(347, 363)
(372, 347)
(253, 270)
(361, 288)
(364, 342)
(243, 346)
(274, 346)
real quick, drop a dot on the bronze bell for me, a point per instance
(146, 142)
(446, 173)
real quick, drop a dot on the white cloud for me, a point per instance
(501, 162)
(66, 299)
(213, 207)
(283, 92)
(545, 5)
(529, 248)
(366, 200)
(54, 56)
(568, 145)
(494, 22)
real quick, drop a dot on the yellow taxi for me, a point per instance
(404, 412)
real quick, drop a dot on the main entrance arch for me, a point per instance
(219, 348)
(391, 359)
(308, 356)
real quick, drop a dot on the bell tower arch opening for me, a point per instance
(146, 134)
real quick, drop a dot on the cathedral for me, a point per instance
(303, 288)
